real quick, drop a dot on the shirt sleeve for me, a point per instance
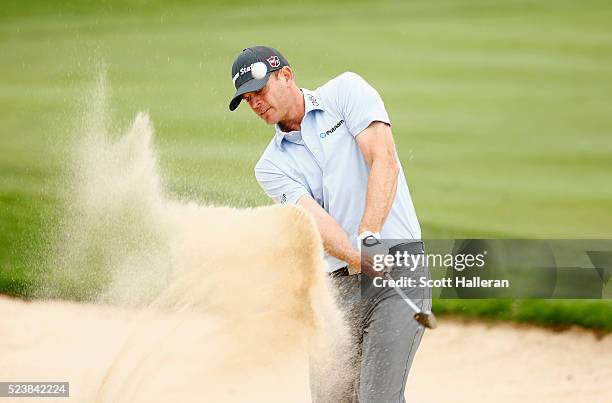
(360, 103)
(277, 185)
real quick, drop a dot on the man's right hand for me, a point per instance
(362, 263)
(370, 246)
(354, 264)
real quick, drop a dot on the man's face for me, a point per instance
(271, 102)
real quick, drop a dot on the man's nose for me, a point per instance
(255, 102)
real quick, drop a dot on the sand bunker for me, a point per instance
(475, 362)
(458, 362)
(113, 355)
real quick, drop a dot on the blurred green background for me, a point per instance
(501, 111)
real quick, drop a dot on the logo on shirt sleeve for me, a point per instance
(283, 199)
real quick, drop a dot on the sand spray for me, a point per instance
(229, 303)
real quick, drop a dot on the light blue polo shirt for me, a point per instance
(325, 161)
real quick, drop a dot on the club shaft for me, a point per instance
(401, 293)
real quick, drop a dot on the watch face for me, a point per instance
(366, 234)
(370, 240)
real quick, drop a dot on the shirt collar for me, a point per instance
(311, 103)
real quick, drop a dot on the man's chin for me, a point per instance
(271, 120)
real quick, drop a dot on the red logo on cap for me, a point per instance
(273, 61)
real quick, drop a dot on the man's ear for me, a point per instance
(286, 73)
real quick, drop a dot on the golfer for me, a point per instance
(333, 154)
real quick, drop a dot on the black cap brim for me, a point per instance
(250, 86)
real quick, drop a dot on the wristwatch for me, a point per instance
(369, 238)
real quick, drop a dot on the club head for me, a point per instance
(427, 319)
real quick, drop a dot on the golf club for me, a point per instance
(425, 318)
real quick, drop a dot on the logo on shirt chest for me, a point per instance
(330, 131)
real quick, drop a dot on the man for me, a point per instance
(333, 154)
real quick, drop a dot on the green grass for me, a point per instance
(559, 314)
(500, 110)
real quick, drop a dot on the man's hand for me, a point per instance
(371, 246)
(354, 263)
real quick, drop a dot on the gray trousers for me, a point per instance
(385, 339)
